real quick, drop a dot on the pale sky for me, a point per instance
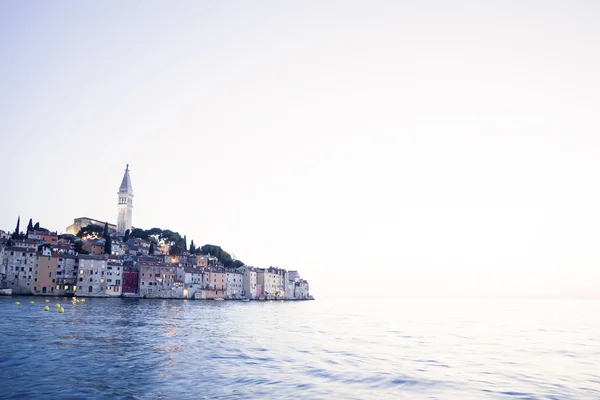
(382, 148)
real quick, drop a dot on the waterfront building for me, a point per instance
(249, 288)
(301, 290)
(92, 277)
(288, 286)
(158, 279)
(45, 278)
(130, 285)
(4, 235)
(19, 264)
(67, 269)
(268, 283)
(125, 203)
(82, 222)
(192, 279)
(235, 284)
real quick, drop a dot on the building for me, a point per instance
(192, 279)
(158, 279)
(82, 222)
(288, 285)
(131, 280)
(249, 289)
(19, 264)
(268, 283)
(301, 290)
(30, 244)
(203, 260)
(214, 284)
(125, 203)
(93, 246)
(93, 277)
(235, 284)
(4, 235)
(43, 236)
(45, 278)
(67, 269)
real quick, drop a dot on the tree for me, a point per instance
(36, 226)
(29, 227)
(16, 234)
(91, 231)
(108, 245)
(192, 247)
(151, 249)
(105, 233)
(126, 237)
(184, 242)
(79, 248)
(139, 233)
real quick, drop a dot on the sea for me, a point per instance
(323, 349)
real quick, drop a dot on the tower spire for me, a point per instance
(125, 203)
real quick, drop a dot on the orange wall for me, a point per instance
(45, 271)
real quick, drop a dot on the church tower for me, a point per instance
(125, 205)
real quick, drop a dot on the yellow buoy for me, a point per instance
(32, 302)
(57, 305)
(47, 301)
(17, 303)
(46, 308)
(61, 310)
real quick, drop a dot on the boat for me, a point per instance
(219, 299)
(245, 299)
(5, 292)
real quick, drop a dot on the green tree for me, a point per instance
(184, 242)
(192, 247)
(126, 237)
(91, 231)
(151, 249)
(16, 235)
(29, 227)
(36, 226)
(108, 245)
(105, 233)
(79, 248)
(139, 233)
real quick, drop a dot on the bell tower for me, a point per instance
(125, 203)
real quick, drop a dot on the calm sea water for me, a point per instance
(324, 349)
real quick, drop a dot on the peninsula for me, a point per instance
(97, 259)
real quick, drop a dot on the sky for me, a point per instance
(381, 148)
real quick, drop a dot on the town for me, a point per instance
(98, 259)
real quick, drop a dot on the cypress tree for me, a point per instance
(192, 247)
(36, 226)
(126, 237)
(184, 243)
(16, 234)
(151, 249)
(108, 246)
(29, 226)
(105, 231)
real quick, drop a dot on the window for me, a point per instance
(80, 279)
(35, 280)
(116, 288)
(101, 280)
(57, 287)
(79, 287)
(49, 274)
(80, 272)
(91, 279)
(118, 282)
(90, 289)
